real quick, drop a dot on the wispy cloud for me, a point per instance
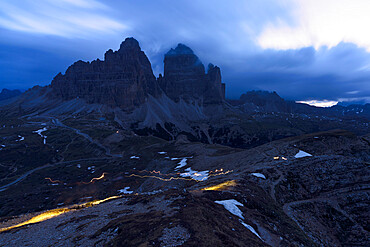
(66, 18)
(319, 103)
(320, 23)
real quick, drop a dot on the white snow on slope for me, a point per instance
(259, 175)
(162, 152)
(39, 132)
(250, 228)
(302, 154)
(199, 176)
(21, 138)
(134, 157)
(182, 163)
(231, 206)
(125, 190)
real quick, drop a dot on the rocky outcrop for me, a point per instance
(124, 79)
(185, 78)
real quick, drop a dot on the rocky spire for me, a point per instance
(124, 79)
(185, 77)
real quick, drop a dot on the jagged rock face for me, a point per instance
(185, 78)
(124, 79)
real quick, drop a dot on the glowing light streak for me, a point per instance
(221, 173)
(54, 181)
(96, 179)
(179, 178)
(58, 211)
(221, 186)
(157, 172)
(91, 181)
(41, 217)
(220, 170)
(163, 179)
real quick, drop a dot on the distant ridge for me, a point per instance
(7, 94)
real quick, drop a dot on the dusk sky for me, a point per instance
(303, 49)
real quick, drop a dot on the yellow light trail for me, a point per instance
(58, 211)
(220, 170)
(181, 178)
(176, 173)
(91, 181)
(95, 179)
(221, 173)
(41, 217)
(54, 181)
(163, 179)
(221, 186)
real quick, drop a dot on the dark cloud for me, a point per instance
(340, 72)
(218, 31)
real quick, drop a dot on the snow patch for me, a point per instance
(231, 206)
(250, 228)
(259, 175)
(134, 157)
(125, 191)
(199, 176)
(21, 138)
(162, 152)
(302, 154)
(182, 163)
(39, 132)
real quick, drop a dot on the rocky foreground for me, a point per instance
(311, 190)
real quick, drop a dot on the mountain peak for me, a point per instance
(124, 79)
(185, 78)
(180, 49)
(130, 44)
(7, 94)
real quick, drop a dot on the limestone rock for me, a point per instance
(124, 79)
(185, 78)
